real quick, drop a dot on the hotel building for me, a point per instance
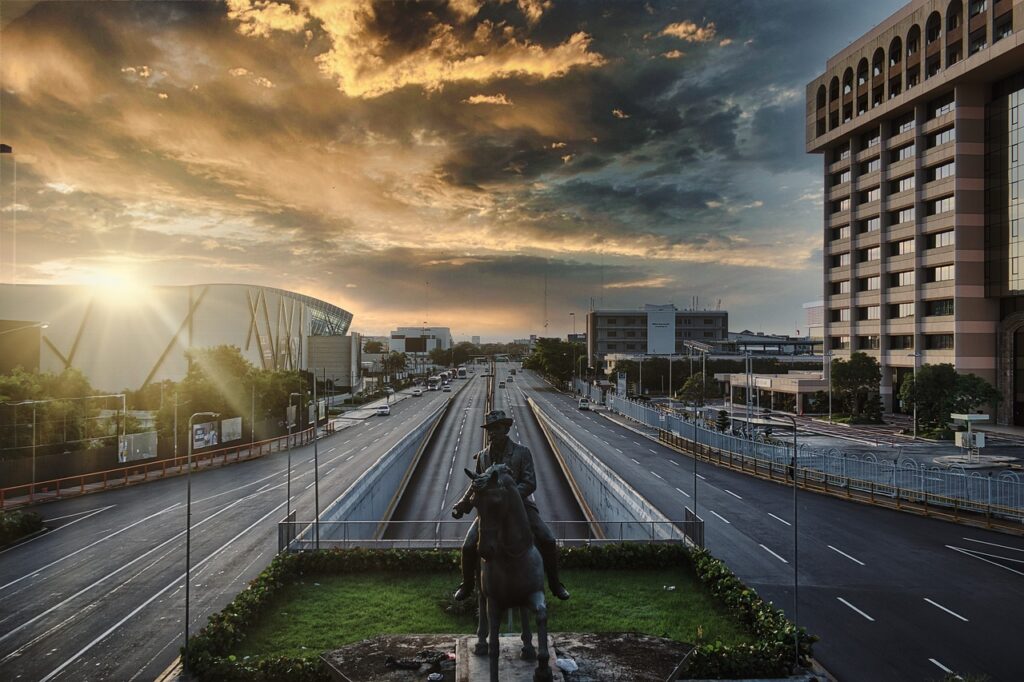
(920, 124)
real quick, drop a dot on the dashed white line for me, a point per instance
(635, 461)
(672, 461)
(779, 519)
(656, 475)
(701, 477)
(856, 609)
(310, 485)
(721, 517)
(262, 488)
(618, 451)
(839, 551)
(652, 450)
(683, 492)
(349, 458)
(940, 666)
(770, 552)
(940, 606)
(734, 494)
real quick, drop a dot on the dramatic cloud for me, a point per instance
(357, 151)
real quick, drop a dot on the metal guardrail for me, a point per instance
(295, 536)
(82, 484)
(902, 478)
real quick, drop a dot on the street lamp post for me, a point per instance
(695, 458)
(188, 524)
(796, 573)
(316, 462)
(915, 355)
(827, 367)
(288, 486)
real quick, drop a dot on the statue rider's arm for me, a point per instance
(527, 478)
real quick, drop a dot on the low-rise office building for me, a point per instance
(652, 330)
(420, 339)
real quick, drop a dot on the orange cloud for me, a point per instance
(690, 32)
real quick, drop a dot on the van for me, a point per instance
(584, 404)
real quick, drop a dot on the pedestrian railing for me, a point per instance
(294, 536)
(902, 479)
(71, 486)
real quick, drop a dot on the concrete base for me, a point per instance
(472, 668)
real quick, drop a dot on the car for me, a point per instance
(446, 388)
(501, 384)
(511, 379)
(383, 410)
(584, 404)
(418, 392)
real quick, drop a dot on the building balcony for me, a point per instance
(938, 122)
(904, 198)
(900, 326)
(838, 166)
(900, 168)
(902, 231)
(940, 256)
(900, 139)
(939, 154)
(838, 191)
(901, 262)
(869, 153)
(868, 209)
(938, 188)
(938, 325)
(939, 222)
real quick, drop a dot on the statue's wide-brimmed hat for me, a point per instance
(496, 418)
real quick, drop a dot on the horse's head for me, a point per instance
(493, 491)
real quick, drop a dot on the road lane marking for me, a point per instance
(974, 555)
(770, 552)
(839, 551)
(653, 451)
(635, 443)
(328, 452)
(310, 485)
(941, 667)
(146, 603)
(672, 461)
(1015, 549)
(940, 606)
(36, 571)
(49, 533)
(263, 487)
(856, 609)
(619, 451)
(68, 516)
(683, 492)
(720, 516)
(635, 461)
(733, 494)
(779, 519)
(331, 471)
(656, 475)
(701, 477)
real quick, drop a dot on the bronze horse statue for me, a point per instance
(511, 568)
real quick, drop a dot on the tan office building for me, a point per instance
(920, 124)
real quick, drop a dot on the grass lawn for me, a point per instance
(330, 611)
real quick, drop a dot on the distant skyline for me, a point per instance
(446, 162)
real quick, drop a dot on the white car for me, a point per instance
(383, 410)
(446, 389)
(418, 392)
(584, 404)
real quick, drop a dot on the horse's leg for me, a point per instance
(482, 623)
(539, 606)
(494, 650)
(528, 653)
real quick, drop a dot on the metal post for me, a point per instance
(695, 461)
(316, 463)
(916, 355)
(32, 490)
(188, 527)
(288, 485)
(828, 358)
(796, 555)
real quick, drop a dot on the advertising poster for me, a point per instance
(204, 435)
(230, 430)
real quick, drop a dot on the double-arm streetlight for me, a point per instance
(188, 522)
(796, 574)
(291, 423)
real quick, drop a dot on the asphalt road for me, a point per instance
(439, 480)
(892, 596)
(101, 595)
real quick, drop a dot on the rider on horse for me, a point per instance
(519, 460)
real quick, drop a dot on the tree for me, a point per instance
(722, 421)
(554, 358)
(855, 381)
(373, 346)
(939, 391)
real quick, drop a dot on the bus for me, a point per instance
(462, 373)
(433, 383)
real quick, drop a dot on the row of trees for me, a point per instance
(554, 358)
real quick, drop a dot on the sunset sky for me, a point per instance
(436, 161)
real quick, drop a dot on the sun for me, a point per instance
(116, 287)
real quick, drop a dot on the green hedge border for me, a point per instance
(770, 656)
(17, 524)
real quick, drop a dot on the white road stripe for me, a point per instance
(672, 461)
(839, 551)
(974, 555)
(1015, 549)
(733, 494)
(940, 606)
(654, 451)
(683, 492)
(771, 552)
(263, 487)
(940, 666)
(856, 609)
(701, 477)
(68, 516)
(310, 485)
(721, 517)
(656, 475)
(779, 519)
(66, 525)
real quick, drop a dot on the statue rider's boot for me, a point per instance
(550, 556)
(469, 562)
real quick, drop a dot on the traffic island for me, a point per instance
(307, 603)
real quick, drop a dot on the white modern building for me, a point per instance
(128, 338)
(420, 339)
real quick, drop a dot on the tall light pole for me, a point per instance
(288, 487)
(572, 343)
(695, 457)
(316, 462)
(796, 573)
(915, 355)
(827, 367)
(188, 523)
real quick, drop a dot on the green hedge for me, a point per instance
(772, 655)
(15, 525)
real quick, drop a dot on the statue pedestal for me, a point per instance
(472, 668)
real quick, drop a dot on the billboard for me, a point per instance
(290, 419)
(230, 429)
(620, 384)
(136, 446)
(204, 435)
(416, 344)
(661, 330)
(323, 409)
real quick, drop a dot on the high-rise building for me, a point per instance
(652, 330)
(920, 123)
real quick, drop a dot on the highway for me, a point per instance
(893, 596)
(101, 595)
(439, 480)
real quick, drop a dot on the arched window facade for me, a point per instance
(878, 63)
(862, 72)
(821, 97)
(895, 52)
(913, 40)
(954, 15)
(848, 81)
(833, 89)
(932, 28)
